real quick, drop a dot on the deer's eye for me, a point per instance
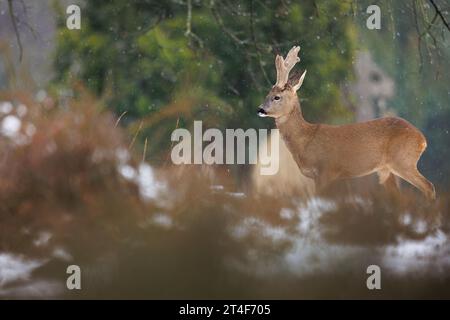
(276, 98)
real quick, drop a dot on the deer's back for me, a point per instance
(360, 148)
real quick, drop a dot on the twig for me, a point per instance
(25, 23)
(419, 38)
(252, 33)
(145, 150)
(120, 117)
(316, 9)
(189, 32)
(391, 15)
(16, 30)
(135, 135)
(430, 25)
(219, 21)
(428, 31)
(438, 11)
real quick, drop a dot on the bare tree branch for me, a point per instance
(419, 38)
(227, 31)
(438, 11)
(16, 30)
(189, 33)
(255, 44)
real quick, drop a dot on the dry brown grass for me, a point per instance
(64, 180)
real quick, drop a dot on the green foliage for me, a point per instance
(140, 54)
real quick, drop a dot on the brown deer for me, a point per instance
(388, 146)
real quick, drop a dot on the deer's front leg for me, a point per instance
(324, 178)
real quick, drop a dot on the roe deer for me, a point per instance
(388, 146)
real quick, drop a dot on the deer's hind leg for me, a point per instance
(388, 180)
(404, 158)
(413, 176)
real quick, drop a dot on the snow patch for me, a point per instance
(14, 268)
(10, 126)
(419, 255)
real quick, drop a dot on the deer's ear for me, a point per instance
(299, 83)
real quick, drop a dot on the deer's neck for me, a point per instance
(295, 130)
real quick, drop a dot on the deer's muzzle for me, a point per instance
(262, 112)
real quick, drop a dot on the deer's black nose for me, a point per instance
(262, 112)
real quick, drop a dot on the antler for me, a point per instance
(284, 66)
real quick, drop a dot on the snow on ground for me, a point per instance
(419, 256)
(12, 124)
(310, 253)
(14, 268)
(150, 188)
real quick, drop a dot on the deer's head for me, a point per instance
(282, 97)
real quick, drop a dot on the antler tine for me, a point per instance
(292, 58)
(284, 66)
(279, 64)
